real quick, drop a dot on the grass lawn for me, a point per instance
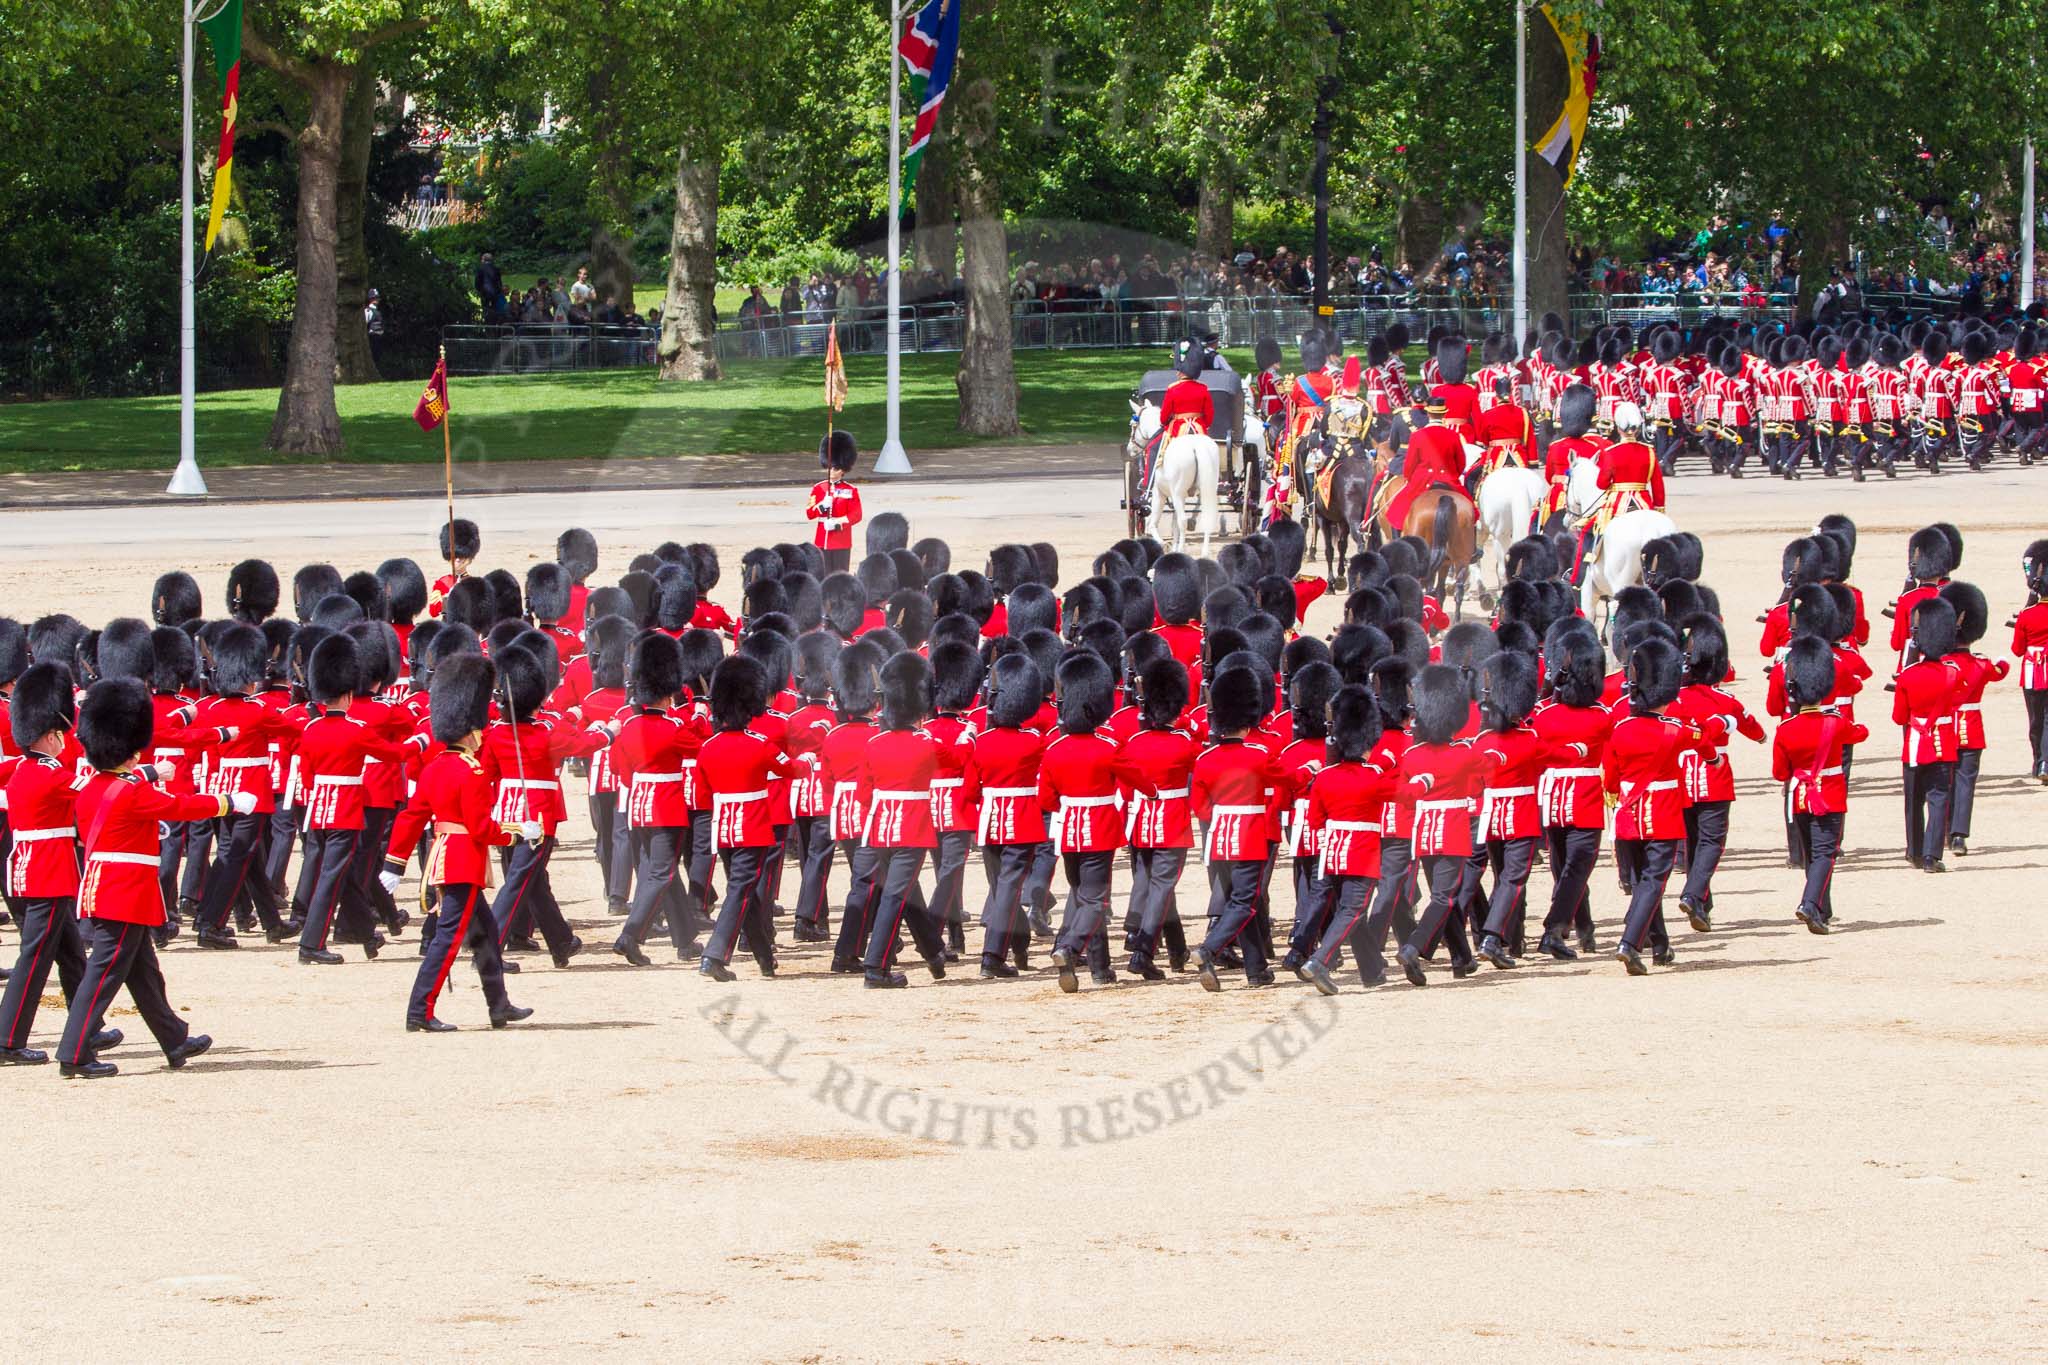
(764, 406)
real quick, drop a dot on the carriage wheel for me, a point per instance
(1248, 502)
(1134, 515)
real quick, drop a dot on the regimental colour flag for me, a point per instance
(1559, 144)
(432, 409)
(930, 46)
(224, 31)
(835, 372)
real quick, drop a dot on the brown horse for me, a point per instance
(1443, 521)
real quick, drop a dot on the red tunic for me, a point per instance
(901, 765)
(1346, 803)
(526, 758)
(1187, 406)
(1631, 477)
(1162, 819)
(836, 509)
(1078, 780)
(1974, 674)
(602, 707)
(1642, 768)
(457, 794)
(1436, 459)
(1507, 805)
(843, 769)
(1812, 742)
(333, 751)
(1298, 762)
(42, 817)
(1228, 788)
(1442, 782)
(1924, 702)
(242, 763)
(804, 739)
(738, 768)
(1509, 437)
(1707, 773)
(1005, 772)
(1569, 789)
(117, 816)
(652, 752)
(954, 809)
(2030, 646)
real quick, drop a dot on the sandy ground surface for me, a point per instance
(1786, 1146)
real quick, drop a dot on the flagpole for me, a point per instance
(186, 481)
(1520, 265)
(892, 460)
(448, 463)
(2027, 216)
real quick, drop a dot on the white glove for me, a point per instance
(530, 831)
(389, 881)
(243, 802)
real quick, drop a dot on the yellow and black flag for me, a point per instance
(1578, 50)
(224, 31)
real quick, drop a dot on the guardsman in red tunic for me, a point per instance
(1004, 775)
(1345, 806)
(2030, 647)
(956, 680)
(1309, 690)
(1510, 822)
(810, 804)
(1924, 698)
(1807, 754)
(1664, 388)
(835, 502)
(1975, 674)
(1228, 790)
(1642, 772)
(1889, 402)
(117, 815)
(457, 795)
(241, 764)
(1079, 775)
(1709, 778)
(1158, 824)
(608, 639)
(42, 864)
(738, 767)
(1978, 393)
(1442, 777)
(903, 759)
(843, 771)
(654, 746)
(1453, 402)
(333, 750)
(1930, 559)
(2027, 380)
(460, 543)
(576, 551)
(1576, 726)
(1574, 442)
(1507, 434)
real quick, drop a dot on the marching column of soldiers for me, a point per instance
(844, 741)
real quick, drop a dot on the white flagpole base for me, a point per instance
(892, 460)
(186, 481)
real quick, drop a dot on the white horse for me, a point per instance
(1508, 498)
(1619, 562)
(1186, 468)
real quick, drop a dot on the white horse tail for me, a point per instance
(1207, 459)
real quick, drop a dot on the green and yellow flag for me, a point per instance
(224, 31)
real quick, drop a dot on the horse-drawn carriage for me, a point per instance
(1240, 449)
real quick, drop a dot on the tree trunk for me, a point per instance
(936, 242)
(1214, 213)
(354, 364)
(1829, 246)
(611, 244)
(1418, 230)
(307, 422)
(987, 378)
(1550, 249)
(688, 348)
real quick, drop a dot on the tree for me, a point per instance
(320, 47)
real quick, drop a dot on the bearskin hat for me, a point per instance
(1162, 693)
(1016, 689)
(845, 604)
(877, 575)
(1009, 565)
(331, 670)
(763, 597)
(607, 640)
(576, 551)
(699, 652)
(1665, 344)
(1636, 603)
(522, 683)
(1679, 598)
(126, 650)
(1354, 649)
(1809, 672)
(1314, 355)
(542, 648)
(1355, 726)
(1045, 562)
(856, 679)
(1085, 687)
(175, 599)
(177, 660)
(405, 589)
(1466, 646)
(85, 658)
(1308, 698)
(312, 583)
(1805, 561)
(1934, 627)
(1238, 700)
(760, 566)
(1660, 562)
(1954, 537)
(1290, 542)
(547, 591)
(1452, 355)
(502, 635)
(1706, 650)
(1092, 599)
(508, 597)
(1656, 672)
(1532, 558)
(655, 670)
(1392, 681)
(739, 693)
(1929, 555)
(252, 590)
(1442, 704)
(367, 590)
(908, 612)
(459, 539)
(1575, 666)
(1302, 651)
(1240, 564)
(377, 660)
(1176, 589)
(1521, 603)
(935, 556)
(1265, 636)
(43, 701)
(1274, 596)
(54, 639)
(642, 591)
(806, 603)
(815, 655)
(278, 636)
(949, 594)
(1575, 409)
(115, 722)
(909, 569)
(702, 562)
(1507, 689)
(335, 611)
(838, 451)
(14, 651)
(240, 654)
(1976, 348)
(676, 603)
(1409, 640)
(459, 697)
(956, 676)
(1835, 524)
